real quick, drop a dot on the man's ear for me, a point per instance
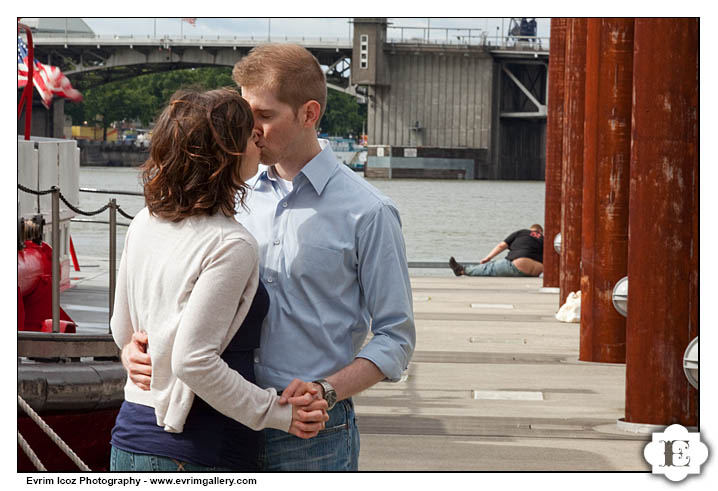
(310, 113)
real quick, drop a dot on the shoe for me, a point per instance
(457, 268)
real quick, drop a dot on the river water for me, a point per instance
(440, 218)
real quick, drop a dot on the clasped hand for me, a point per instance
(309, 409)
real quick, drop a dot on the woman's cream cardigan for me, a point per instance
(189, 285)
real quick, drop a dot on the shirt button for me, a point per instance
(284, 205)
(276, 241)
(269, 280)
(256, 359)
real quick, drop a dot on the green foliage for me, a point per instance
(142, 97)
(145, 96)
(343, 116)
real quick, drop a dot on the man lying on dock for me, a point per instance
(525, 257)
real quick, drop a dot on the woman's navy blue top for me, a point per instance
(209, 438)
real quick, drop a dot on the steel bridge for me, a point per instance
(97, 60)
(91, 61)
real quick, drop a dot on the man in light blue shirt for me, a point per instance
(332, 258)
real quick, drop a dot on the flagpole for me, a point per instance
(26, 97)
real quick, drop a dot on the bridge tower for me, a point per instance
(451, 110)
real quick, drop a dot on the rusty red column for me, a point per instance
(572, 163)
(554, 152)
(663, 209)
(606, 165)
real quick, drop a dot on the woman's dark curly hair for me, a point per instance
(195, 155)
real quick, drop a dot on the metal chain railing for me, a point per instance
(124, 214)
(71, 206)
(53, 436)
(114, 208)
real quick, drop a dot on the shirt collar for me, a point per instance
(321, 167)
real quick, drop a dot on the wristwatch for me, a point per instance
(330, 395)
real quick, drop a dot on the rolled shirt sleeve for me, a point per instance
(384, 279)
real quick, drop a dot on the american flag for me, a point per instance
(48, 80)
(190, 20)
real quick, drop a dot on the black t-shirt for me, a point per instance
(525, 243)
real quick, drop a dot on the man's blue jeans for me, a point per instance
(499, 267)
(335, 448)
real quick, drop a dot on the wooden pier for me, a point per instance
(495, 384)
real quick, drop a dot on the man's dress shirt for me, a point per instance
(333, 259)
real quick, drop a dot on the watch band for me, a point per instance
(330, 395)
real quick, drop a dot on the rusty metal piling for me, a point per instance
(663, 227)
(554, 152)
(572, 163)
(607, 153)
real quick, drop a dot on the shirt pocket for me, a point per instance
(315, 273)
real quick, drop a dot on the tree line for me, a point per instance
(143, 98)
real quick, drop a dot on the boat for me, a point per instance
(70, 383)
(348, 152)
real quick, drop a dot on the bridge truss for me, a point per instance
(92, 61)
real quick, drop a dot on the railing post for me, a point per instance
(113, 253)
(55, 259)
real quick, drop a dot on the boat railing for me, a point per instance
(113, 208)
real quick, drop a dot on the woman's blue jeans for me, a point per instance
(123, 461)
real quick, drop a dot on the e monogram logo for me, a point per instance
(676, 453)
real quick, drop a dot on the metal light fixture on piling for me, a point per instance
(690, 362)
(620, 296)
(557, 243)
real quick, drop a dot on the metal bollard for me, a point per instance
(55, 259)
(113, 255)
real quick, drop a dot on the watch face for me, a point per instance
(330, 394)
(331, 398)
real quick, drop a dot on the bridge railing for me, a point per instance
(464, 36)
(395, 34)
(59, 38)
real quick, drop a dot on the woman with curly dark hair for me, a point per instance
(188, 278)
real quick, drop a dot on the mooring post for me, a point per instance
(554, 143)
(55, 234)
(663, 222)
(572, 162)
(606, 165)
(113, 256)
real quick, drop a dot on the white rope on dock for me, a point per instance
(53, 436)
(30, 454)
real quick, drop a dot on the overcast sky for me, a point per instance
(338, 27)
